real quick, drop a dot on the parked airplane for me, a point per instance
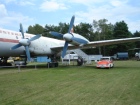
(19, 43)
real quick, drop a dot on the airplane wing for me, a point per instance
(110, 42)
(98, 43)
(60, 48)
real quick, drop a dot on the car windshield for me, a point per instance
(104, 59)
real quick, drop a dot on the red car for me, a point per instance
(105, 62)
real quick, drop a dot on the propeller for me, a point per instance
(56, 34)
(65, 49)
(70, 37)
(71, 23)
(25, 42)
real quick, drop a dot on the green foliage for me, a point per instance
(121, 30)
(49, 28)
(36, 29)
(85, 30)
(63, 28)
(103, 32)
(137, 34)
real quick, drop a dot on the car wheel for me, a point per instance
(112, 65)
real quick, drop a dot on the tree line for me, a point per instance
(96, 31)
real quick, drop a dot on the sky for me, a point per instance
(52, 12)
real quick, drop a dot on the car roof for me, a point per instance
(106, 57)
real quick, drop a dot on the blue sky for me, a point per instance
(31, 12)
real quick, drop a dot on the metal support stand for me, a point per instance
(35, 67)
(18, 68)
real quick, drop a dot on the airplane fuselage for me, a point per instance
(41, 46)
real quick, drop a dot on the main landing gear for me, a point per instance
(80, 61)
(53, 63)
(3, 61)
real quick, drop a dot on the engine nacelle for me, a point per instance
(24, 42)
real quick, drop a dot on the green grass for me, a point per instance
(72, 85)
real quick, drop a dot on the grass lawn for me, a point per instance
(72, 85)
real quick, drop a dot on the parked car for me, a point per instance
(105, 62)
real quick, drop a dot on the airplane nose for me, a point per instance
(67, 37)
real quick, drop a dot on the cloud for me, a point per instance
(114, 11)
(20, 2)
(9, 1)
(133, 25)
(24, 3)
(3, 11)
(12, 19)
(84, 10)
(116, 3)
(49, 6)
(85, 2)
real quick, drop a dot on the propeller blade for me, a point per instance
(65, 49)
(16, 46)
(35, 37)
(27, 53)
(56, 34)
(21, 30)
(71, 24)
(81, 41)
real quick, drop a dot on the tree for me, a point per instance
(103, 32)
(121, 31)
(137, 34)
(36, 29)
(63, 28)
(49, 28)
(85, 30)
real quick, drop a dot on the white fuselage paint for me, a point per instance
(41, 46)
